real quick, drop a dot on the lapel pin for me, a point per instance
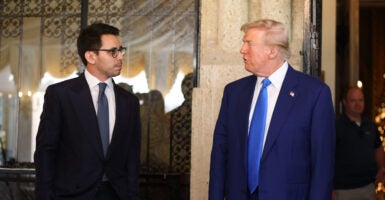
(292, 94)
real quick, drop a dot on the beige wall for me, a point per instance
(221, 63)
(328, 61)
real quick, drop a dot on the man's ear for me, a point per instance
(273, 52)
(90, 57)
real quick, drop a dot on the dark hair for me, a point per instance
(90, 38)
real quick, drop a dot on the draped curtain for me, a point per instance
(40, 36)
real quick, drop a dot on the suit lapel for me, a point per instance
(245, 109)
(118, 116)
(282, 110)
(82, 101)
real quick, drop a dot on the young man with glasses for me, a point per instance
(88, 142)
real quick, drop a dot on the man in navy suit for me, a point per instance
(297, 158)
(71, 162)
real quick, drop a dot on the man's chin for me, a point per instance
(247, 69)
(116, 74)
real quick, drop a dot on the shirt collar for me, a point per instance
(277, 77)
(93, 81)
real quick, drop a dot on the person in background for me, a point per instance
(295, 145)
(359, 159)
(88, 141)
(155, 146)
(180, 129)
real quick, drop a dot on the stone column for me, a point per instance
(220, 64)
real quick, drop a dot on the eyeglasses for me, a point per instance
(114, 51)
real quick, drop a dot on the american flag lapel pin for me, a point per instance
(292, 94)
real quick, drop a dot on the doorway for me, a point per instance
(360, 51)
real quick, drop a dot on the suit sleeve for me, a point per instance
(322, 146)
(134, 155)
(219, 155)
(46, 145)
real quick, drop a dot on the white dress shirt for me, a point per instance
(273, 89)
(94, 88)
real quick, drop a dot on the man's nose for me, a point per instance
(243, 49)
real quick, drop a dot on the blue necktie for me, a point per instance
(103, 120)
(256, 135)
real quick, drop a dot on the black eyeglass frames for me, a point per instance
(114, 51)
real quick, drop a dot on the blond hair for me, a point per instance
(275, 34)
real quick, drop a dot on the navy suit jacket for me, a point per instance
(298, 156)
(69, 157)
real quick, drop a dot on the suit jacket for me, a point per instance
(298, 156)
(69, 157)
